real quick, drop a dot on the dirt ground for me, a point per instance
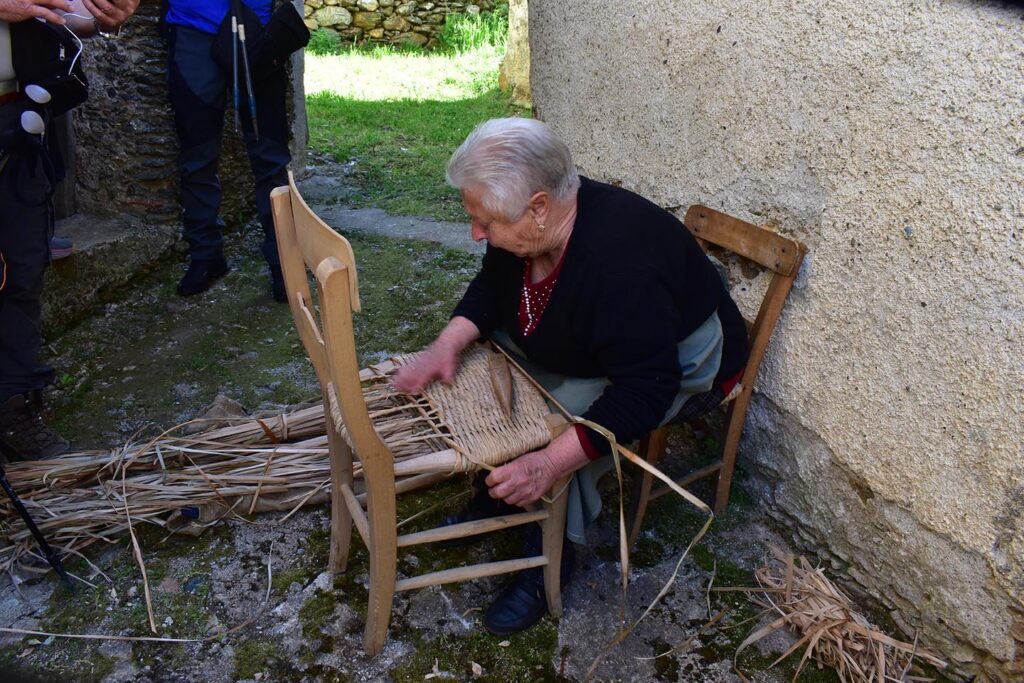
(251, 594)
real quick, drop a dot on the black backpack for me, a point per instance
(49, 56)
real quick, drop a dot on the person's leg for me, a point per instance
(26, 224)
(196, 86)
(269, 157)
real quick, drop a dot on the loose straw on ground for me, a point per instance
(824, 617)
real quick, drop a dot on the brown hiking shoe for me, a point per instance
(24, 434)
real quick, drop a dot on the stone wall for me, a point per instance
(888, 422)
(388, 21)
(125, 141)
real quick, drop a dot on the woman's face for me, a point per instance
(520, 237)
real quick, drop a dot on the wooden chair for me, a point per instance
(782, 257)
(403, 442)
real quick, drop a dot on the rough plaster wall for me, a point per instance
(889, 137)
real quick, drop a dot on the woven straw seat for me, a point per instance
(397, 442)
(462, 416)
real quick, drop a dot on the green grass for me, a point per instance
(462, 33)
(397, 115)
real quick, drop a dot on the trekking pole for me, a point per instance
(51, 557)
(234, 67)
(248, 80)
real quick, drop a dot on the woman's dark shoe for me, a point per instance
(523, 603)
(201, 274)
(518, 607)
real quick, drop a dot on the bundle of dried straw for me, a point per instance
(834, 633)
(174, 482)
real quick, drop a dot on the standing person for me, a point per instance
(198, 84)
(26, 215)
(609, 303)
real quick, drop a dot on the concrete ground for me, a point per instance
(265, 574)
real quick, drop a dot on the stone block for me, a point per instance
(375, 33)
(333, 16)
(366, 20)
(368, 5)
(406, 8)
(411, 38)
(396, 23)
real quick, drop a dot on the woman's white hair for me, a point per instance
(510, 160)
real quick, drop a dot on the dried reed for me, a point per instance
(179, 483)
(835, 635)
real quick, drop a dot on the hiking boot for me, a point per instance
(61, 247)
(277, 285)
(201, 274)
(23, 434)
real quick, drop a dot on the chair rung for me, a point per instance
(688, 479)
(479, 526)
(356, 510)
(472, 572)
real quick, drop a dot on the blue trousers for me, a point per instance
(26, 223)
(198, 92)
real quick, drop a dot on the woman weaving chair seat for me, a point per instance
(605, 298)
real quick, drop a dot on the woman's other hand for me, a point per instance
(440, 361)
(524, 480)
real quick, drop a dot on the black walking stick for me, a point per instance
(234, 67)
(245, 65)
(48, 552)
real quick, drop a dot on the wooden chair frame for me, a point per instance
(783, 257)
(306, 242)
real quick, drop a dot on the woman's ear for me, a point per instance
(538, 206)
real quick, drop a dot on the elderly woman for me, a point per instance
(609, 301)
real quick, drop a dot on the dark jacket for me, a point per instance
(634, 283)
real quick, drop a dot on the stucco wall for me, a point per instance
(889, 137)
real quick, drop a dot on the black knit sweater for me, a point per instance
(634, 283)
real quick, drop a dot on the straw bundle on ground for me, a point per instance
(181, 483)
(833, 632)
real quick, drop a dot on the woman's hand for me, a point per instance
(438, 362)
(524, 480)
(441, 359)
(20, 10)
(111, 13)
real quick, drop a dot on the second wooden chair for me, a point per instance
(723, 235)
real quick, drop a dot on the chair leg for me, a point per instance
(383, 552)
(341, 519)
(737, 416)
(652, 449)
(553, 529)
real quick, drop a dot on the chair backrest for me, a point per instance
(780, 255)
(306, 243)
